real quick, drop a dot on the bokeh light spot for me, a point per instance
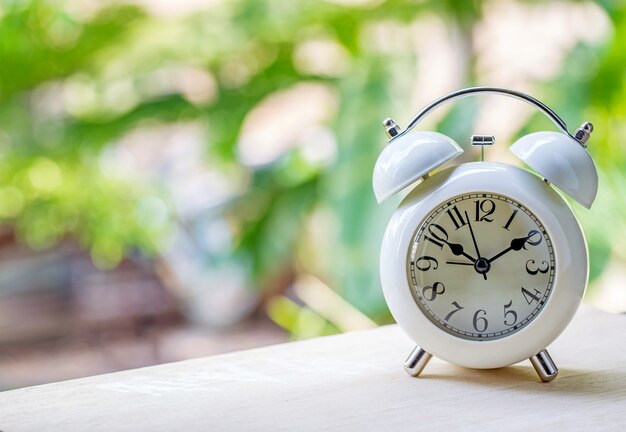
(45, 175)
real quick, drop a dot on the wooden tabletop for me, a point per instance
(348, 382)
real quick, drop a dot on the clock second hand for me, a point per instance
(475, 244)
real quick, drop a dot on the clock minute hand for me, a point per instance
(516, 244)
(472, 233)
(469, 223)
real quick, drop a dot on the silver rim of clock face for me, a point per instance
(537, 293)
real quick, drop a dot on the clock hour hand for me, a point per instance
(516, 244)
(457, 250)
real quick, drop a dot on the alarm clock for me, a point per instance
(484, 264)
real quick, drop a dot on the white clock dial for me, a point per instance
(481, 266)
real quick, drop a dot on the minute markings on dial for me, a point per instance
(473, 294)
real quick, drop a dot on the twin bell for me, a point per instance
(558, 157)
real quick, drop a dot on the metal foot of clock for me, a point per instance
(545, 367)
(542, 362)
(417, 361)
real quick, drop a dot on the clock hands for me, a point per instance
(441, 236)
(457, 250)
(472, 233)
(483, 267)
(516, 244)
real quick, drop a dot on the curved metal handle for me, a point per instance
(472, 91)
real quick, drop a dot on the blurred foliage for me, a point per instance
(77, 78)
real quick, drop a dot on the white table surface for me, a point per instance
(351, 382)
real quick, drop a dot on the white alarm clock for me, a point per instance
(484, 264)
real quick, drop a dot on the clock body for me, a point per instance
(483, 264)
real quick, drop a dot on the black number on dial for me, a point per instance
(538, 269)
(480, 320)
(534, 238)
(509, 313)
(457, 217)
(484, 208)
(508, 223)
(458, 308)
(427, 262)
(530, 297)
(439, 235)
(431, 292)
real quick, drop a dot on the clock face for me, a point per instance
(481, 266)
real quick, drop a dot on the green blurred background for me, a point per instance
(183, 178)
